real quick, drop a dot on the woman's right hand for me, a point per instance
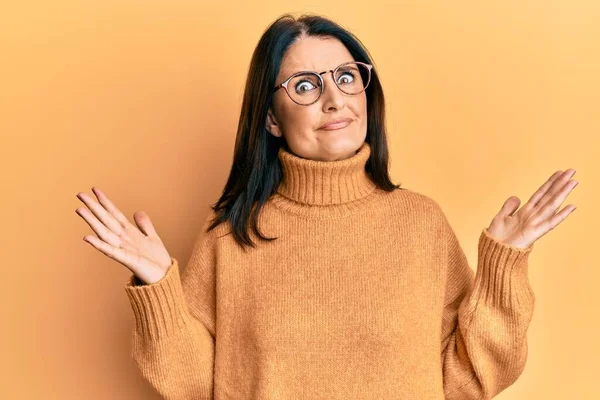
(137, 247)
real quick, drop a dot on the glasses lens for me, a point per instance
(352, 78)
(305, 88)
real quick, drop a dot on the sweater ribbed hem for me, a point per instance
(502, 277)
(159, 308)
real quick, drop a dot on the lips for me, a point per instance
(336, 124)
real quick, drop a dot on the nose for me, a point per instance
(332, 96)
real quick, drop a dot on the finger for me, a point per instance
(144, 224)
(104, 233)
(550, 207)
(557, 186)
(559, 217)
(110, 207)
(535, 198)
(130, 260)
(100, 212)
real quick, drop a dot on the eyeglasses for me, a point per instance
(306, 87)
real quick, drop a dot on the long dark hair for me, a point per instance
(256, 170)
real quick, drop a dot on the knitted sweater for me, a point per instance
(366, 294)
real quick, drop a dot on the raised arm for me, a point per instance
(174, 335)
(485, 319)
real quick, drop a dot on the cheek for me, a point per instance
(298, 119)
(359, 109)
(363, 106)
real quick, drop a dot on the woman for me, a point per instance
(346, 286)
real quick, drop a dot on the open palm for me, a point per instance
(138, 248)
(538, 216)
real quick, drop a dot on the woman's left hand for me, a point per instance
(537, 217)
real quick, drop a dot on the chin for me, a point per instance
(343, 151)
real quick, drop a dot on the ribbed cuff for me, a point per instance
(502, 277)
(159, 308)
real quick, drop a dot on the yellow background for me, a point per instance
(484, 100)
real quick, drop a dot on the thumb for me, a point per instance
(144, 224)
(510, 206)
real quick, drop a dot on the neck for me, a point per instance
(315, 182)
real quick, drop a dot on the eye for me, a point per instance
(346, 77)
(304, 86)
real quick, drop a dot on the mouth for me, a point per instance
(336, 126)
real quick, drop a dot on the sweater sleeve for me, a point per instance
(174, 334)
(485, 319)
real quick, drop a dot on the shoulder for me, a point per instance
(425, 214)
(212, 235)
(417, 201)
(419, 212)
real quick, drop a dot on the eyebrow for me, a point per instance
(312, 70)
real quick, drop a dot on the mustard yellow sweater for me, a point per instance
(366, 294)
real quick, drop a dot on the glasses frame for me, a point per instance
(285, 83)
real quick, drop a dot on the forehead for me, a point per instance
(314, 54)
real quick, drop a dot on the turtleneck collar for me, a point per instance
(315, 182)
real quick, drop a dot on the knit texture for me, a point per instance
(366, 294)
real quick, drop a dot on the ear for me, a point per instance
(271, 124)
